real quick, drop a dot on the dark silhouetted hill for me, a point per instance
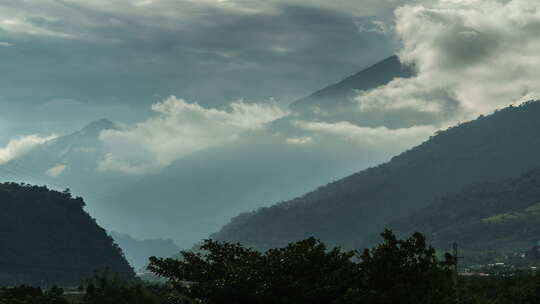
(504, 144)
(47, 238)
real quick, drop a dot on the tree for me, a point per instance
(106, 288)
(307, 272)
(225, 273)
(302, 272)
(397, 271)
(403, 271)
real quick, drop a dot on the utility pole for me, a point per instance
(456, 273)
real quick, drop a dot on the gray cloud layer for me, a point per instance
(138, 52)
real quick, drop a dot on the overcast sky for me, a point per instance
(66, 55)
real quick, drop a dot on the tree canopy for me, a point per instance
(397, 271)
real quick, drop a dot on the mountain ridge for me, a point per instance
(501, 217)
(46, 238)
(491, 147)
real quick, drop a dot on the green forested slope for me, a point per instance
(504, 144)
(47, 238)
(501, 216)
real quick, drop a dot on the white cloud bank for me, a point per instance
(181, 128)
(380, 138)
(20, 146)
(481, 54)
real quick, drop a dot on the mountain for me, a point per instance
(501, 216)
(504, 144)
(68, 161)
(138, 251)
(342, 92)
(198, 194)
(341, 101)
(47, 238)
(195, 195)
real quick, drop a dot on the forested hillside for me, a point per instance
(47, 238)
(504, 144)
(501, 217)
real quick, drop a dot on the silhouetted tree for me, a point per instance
(397, 271)
(403, 271)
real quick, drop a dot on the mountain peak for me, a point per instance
(99, 125)
(374, 76)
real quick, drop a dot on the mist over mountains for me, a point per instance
(188, 164)
(261, 134)
(198, 193)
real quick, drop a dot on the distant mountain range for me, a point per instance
(195, 195)
(46, 238)
(199, 193)
(137, 252)
(346, 212)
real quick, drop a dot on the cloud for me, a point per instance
(368, 138)
(208, 51)
(20, 146)
(56, 170)
(478, 54)
(181, 128)
(303, 140)
(375, 26)
(413, 98)
(6, 44)
(22, 26)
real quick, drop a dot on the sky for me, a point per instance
(190, 77)
(70, 61)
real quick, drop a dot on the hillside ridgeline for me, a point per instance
(47, 238)
(486, 219)
(502, 145)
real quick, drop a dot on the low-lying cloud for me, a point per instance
(20, 146)
(181, 128)
(379, 138)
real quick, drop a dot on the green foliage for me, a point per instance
(396, 271)
(307, 272)
(31, 295)
(517, 289)
(46, 238)
(500, 217)
(105, 288)
(403, 271)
